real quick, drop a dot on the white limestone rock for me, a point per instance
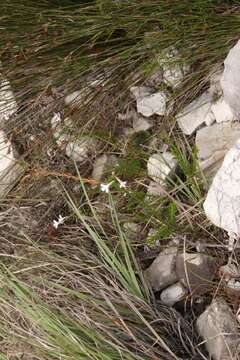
(8, 104)
(153, 104)
(230, 80)
(173, 294)
(103, 165)
(141, 124)
(219, 329)
(149, 103)
(222, 111)
(173, 75)
(161, 272)
(222, 204)
(80, 149)
(10, 170)
(174, 70)
(139, 92)
(197, 113)
(161, 166)
(213, 142)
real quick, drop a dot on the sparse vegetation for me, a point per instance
(78, 291)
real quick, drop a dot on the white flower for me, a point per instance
(105, 187)
(58, 222)
(122, 184)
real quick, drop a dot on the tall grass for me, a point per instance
(45, 45)
(86, 305)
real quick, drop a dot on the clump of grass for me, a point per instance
(86, 305)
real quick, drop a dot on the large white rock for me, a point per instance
(222, 111)
(153, 104)
(173, 294)
(222, 204)
(9, 169)
(8, 104)
(161, 166)
(161, 272)
(230, 81)
(219, 329)
(197, 113)
(149, 103)
(213, 142)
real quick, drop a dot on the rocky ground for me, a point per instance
(171, 171)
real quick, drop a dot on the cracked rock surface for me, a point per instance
(198, 112)
(148, 102)
(222, 204)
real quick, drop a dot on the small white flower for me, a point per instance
(60, 219)
(55, 224)
(105, 187)
(122, 184)
(58, 222)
